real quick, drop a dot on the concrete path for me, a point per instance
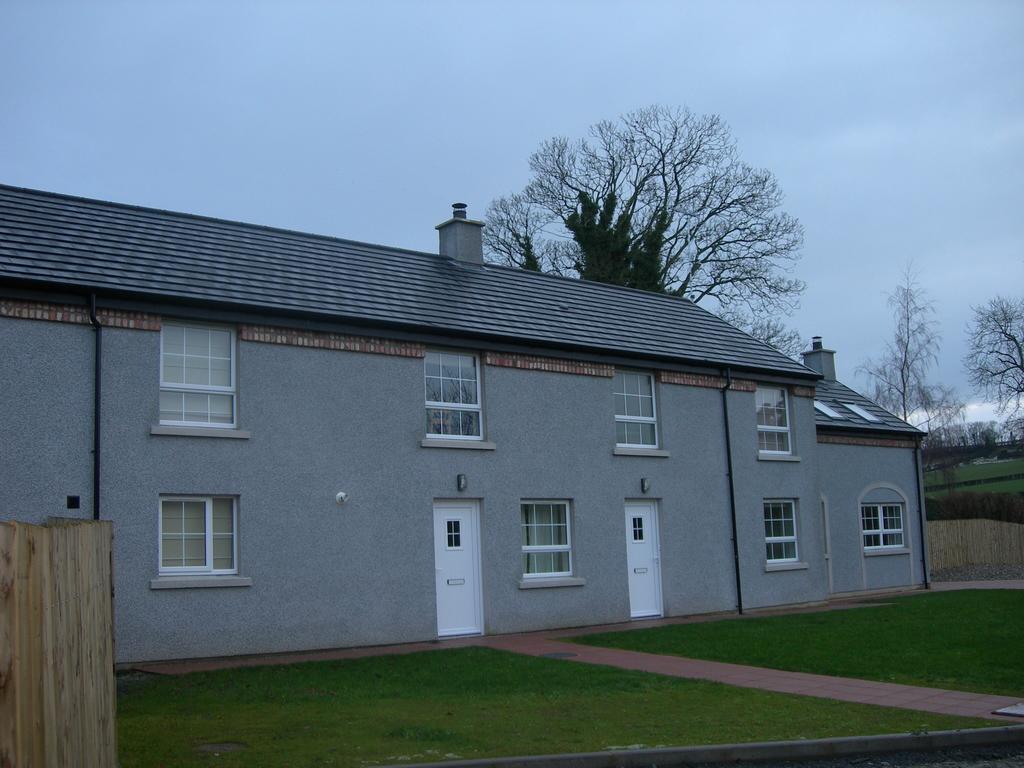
(952, 586)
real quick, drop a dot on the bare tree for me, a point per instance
(899, 377)
(667, 188)
(995, 357)
(773, 332)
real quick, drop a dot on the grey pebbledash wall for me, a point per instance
(851, 474)
(321, 421)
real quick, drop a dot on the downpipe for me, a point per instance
(732, 489)
(97, 380)
(921, 518)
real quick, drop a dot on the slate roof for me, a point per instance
(77, 243)
(834, 394)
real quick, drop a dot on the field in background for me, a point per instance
(975, 472)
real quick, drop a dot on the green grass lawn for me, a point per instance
(968, 641)
(469, 702)
(981, 472)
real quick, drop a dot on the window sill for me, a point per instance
(770, 567)
(651, 452)
(231, 434)
(198, 582)
(884, 552)
(777, 457)
(194, 582)
(558, 581)
(471, 445)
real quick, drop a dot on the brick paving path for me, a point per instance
(803, 683)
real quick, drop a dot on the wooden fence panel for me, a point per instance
(57, 688)
(955, 543)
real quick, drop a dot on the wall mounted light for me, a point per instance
(645, 484)
(460, 482)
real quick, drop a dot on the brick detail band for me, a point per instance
(798, 391)
(325, 340)
(704, 380)
(871, 442)
(550, 364)
(77, 314)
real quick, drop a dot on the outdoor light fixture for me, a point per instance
(645, 484)
(341, 498)
(460, 482)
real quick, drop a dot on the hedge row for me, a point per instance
(1007, 507)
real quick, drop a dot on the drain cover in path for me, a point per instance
(559, 655)
(1014, 710)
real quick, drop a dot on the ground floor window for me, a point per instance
(882, 525)
(198, 535)
(547, 549)
(779, 530)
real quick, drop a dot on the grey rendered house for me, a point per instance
(305, 442)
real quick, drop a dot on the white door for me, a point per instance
(457, 568)
(643, 558)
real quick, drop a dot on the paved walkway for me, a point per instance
(952, 586)
(824, 686)
(551, 644)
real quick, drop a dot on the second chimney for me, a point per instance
(460, 238)
(819, 359)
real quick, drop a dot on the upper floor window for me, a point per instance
(779, 530)
(882, 525)
(197, 375)
(547, 546)
(452, 387)
(772, 420)
(636, 423)
(198, 535)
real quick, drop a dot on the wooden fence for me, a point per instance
(57, 689)
(953, 543)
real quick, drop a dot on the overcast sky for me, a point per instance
(896, 129)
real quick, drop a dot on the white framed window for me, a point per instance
(451, 383)
(547, 540)
(197, 375)
(772, 420)
(198, 534)
(636, 414)
(882, 525)
(862, 412)
(780, 530)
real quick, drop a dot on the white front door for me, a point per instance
(457, 568)
(643, 558)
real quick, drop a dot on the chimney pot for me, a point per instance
(816, 342)
(459, 210)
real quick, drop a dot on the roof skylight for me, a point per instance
(861, 412)
(828, 411)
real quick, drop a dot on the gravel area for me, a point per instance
(1008, 756)
(980, 573)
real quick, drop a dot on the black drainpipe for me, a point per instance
(921, 522)
(97, 378)
(732, 489)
